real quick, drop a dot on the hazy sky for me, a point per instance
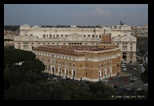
(75, 14)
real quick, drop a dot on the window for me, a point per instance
(25, 46)
(66, 71)
(93, 36)
(99, 36)
(99, 66)
(88, 35)
(86, 65)
(43, 35)
(80, 65)
(130, 48)
(86, 74)
(73, 65)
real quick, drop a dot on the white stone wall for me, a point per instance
(125, 43)
(60, 36)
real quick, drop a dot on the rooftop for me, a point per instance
(68, 50)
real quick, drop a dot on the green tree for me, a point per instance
(142, 51)
(12, 56)
(144, 75)
(32, 65)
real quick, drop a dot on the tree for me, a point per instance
(144, 75)
(12, 56)
(11, 27)
(32, 65)
(142, 51)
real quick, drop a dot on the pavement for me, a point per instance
(124, 74)
(123, 79)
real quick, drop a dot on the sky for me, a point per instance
(75, 14)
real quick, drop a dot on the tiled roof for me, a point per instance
(56, 50)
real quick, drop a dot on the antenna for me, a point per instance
(107, 21)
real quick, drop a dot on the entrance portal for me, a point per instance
(124, 57)
(53, 69)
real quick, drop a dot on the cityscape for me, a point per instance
(76, 52)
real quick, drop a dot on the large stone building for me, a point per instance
(34, 36)
(87, 62)
(127, 44)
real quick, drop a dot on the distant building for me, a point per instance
(34, 36)
(142, 43)
(88, 62)
(127, 44)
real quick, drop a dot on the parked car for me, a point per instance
(138, 89)
(105, 80)
(124, 69)
(123, 66)
(145, 84)
(135, 68)
(54, 78)
(133, 78)
(128, 89)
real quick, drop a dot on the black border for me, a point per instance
(90, 102)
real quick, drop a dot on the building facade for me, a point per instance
(91, 63)
(34, 36)
(127, 44)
